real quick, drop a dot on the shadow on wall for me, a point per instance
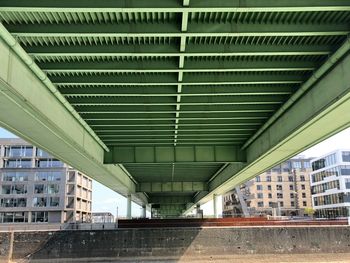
(175, 244)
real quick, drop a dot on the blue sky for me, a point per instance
(106, 200)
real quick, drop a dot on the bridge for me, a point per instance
(171, 103)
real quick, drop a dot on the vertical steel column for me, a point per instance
(128, 206)
(214, 206)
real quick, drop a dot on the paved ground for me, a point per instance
(268, 258)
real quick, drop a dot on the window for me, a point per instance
(45, 163)
(269, 195)
(281, 204)
(268, 178)
(48, 176)
(43, 154)
(303, 187)
(304, 203)
(260, 195)
(291, 187)
(40, 217)
(6, 189)
(39, 189)
(346, 156)
(303, 195)
(39, 201)
(13, 202)
(19, 151)
(347, 183)
(257, 179)
(260, 204)
(279, 187)
(307, 164)
(259, 187)
(14, 176)
(302, 178)
(279, 195)
(291, 195)
(290, 178)
(345, 169)
(292, 203)
(17, 163)
(14, 189)
(54, 176)
(279, 178)
(269, 187)
(296, 165)
(54, 201)
(53, 188)
(13, 217)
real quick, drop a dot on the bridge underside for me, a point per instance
(188, 98)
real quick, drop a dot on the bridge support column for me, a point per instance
(143, 211)
(214, 206)
(128, 206)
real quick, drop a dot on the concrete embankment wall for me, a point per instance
(173, 242)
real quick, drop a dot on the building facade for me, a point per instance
(102, 217)
(286, 186)
(35, 187)
(330, 184)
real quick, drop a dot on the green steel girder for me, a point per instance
(173, 30)
(145, 66)
(173, 6)
(187, 91)
(30, 110)
(320, 113)
(171, 79)
(172, 187)
(172, 50)
(243, 99)
(171, 116)
(135, 109)
(175, 88)
(170, 200)
(155, 122)
(186, 154)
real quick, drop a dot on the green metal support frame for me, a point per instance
(30, 110)
(178, 154)
(318, 114)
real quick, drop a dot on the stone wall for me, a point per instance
(175, 242)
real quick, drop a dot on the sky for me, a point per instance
(106, 200)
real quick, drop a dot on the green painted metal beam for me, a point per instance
(171, 50)
(165, 79)
(172, 199)
(173, 30)
(148, 65)
(30, 110)
(190, 136)
(190, 154)
(180, 143)
(216, 100)
(171, 187)
(160, 91)
(318, 114)
(171, 116)
(173, 6)
(237, 108)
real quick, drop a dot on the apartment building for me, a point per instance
(330, 184)
(286, 186)
(35, 187)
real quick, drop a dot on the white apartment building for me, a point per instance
(330, 184)
(35, 187)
